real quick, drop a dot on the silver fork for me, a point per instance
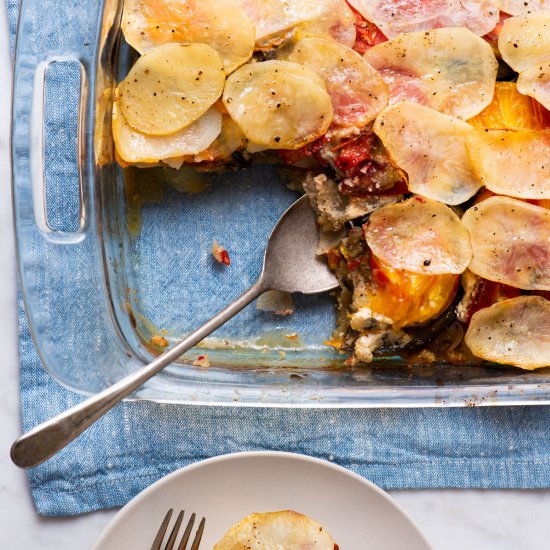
(157, 543)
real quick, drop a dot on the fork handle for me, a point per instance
(46, 439)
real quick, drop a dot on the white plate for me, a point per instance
(227, 488)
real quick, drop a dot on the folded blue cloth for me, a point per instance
(137, 443)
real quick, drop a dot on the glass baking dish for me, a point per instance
(97, 294)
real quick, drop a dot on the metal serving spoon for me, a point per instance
(290, 264)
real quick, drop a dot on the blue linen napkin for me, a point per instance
(138, 443)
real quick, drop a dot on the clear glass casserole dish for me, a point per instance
(99, 290)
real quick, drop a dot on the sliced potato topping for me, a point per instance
(419, 235)
(284, 529)
(535, 82)
(220, 150)
(430, 147)
(525, 40)
(357, 91)
(511, 110)
(512, 162)
(511, 242)
(222, 24)
(278, 104)
(170, 87)
(229, 140)
(513, 332)
(133, 147)
(517, 7)
(275, 20)
(395, 17)
(450, 70)
(335, 22)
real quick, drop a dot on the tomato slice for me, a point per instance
(403, 298)
(367, 34)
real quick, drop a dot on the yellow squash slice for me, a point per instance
(513, 332)
(431, 148)
(511, 110)
(511, 242)
(357, 91)
(512, 162)
(278, 104)
(394, 17)
(535, 82)
(517, 7)
(285, 529)
(450, 70)
(133, 147)
(170, 87)
(525, 40)
(221, 24)
(419, 235)
(277, 20)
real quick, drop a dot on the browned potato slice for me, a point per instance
(431, 148)
(134, 147)
(276, 20)
(395, 17)
(511, 242)
(170, 87)
(221, 24)
(278, 104)
(512, 162)
(524, 40)
(535, 82)
(450, 70)
(357, 91)
(285, 529)
(513, 332)
(419, 235)
(517, 7)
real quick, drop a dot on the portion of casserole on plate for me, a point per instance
(283, 529)
(420, 131)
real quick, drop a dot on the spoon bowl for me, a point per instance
(291, 263)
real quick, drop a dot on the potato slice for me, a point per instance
(170, 87)
(524, 40)
(394, 17)
(535, 82)
(450, 70)
(517, 7)
(284, 529)
(513, 332)
(133, 147)
(512, 162)
(220, 150)
(357, 91)
(278, 104)
(276, 20)
(431, 148)
(221, 24)
(511, 242)
(419, 235)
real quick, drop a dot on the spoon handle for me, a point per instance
(46, 439)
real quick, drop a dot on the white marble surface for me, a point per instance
(451, 519)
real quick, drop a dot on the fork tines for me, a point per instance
(157, 543)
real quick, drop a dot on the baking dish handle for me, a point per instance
(72, 35)
(61, 274)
